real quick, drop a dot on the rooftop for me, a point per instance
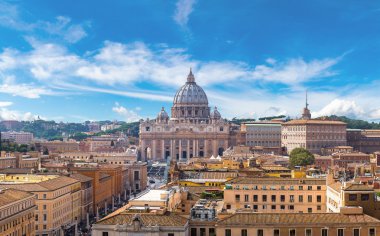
(274, 181)
(314, 122)
(167, 219)
(8, 196)
(250, 218)
(153, 195)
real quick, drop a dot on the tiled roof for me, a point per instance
(241, 219)
(274, 181)
(167, 219)
(8, 196)
(314, 122)
(80, 177)
(56, 183)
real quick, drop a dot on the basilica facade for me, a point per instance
(192, 130)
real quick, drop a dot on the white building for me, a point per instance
(265, 133)
(17, 137)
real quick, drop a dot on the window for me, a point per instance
(319, 198)
(276, 232)
(45, 217)
(309, 187)
(308, 232)
(309, 198)
(282, 207)
(44, 196)
(372, 232)
(300, 198)
(136, 175)
(44, 207)
(340, 232)
(260, 232)
(203, 231)
(324, 232)
(300, 187)
(319, 187)
(319, 207)
(356, 232)
(244, 232)
(170, 234)
(291, 198)
(292, 232)
(352, 197)
(211, 232)
(291, 207)
(237, 197)
(282, 198)
(273, 198)
(264, 198)
(193, 232)
(255, 198)
(228, 232)
(273, 207)
(309, 210)
(365, 197)
(246, 198)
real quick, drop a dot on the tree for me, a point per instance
(301, 157)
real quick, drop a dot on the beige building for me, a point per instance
(191, 131)
(58, 200)
(274, 195)
(264, 133)
(294, 224)
(313, 135)
(58, 146)
(16, 212)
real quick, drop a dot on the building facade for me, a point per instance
(266, 134)
(17, 137)
(17, 212)
(367, 141)
(193, 130)
(276, 195)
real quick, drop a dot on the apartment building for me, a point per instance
(274, 195)
(58, 200)
(264, 133)
(17, 210)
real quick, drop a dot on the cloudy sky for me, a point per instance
(95, 60)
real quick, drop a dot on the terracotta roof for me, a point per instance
(358, 187)
(337, 186)
(314, 122)
(167, 219)
(243, 219)
(80, 177)
(273, 181)
(8, 196)
(56, 183)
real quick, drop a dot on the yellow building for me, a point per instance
(276, 195)
(58, 200)
(205, 178)
(16, 212)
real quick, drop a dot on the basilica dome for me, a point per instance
(190, 93)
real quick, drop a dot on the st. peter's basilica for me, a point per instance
(192, 130)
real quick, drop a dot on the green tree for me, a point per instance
(301, 157)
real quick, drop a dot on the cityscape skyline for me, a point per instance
(106, 64)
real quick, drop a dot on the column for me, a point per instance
(172, 149)
(143, 157)
(195, 148)
(154, 150)
(163, 149)
(188, 149)
(180, 149)
(215, 147)
(205, 148)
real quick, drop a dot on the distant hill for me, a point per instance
(354, 123)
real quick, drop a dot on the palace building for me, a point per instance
(193, 130)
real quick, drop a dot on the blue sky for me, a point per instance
(92, 60)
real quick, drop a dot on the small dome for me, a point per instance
(215, 114)
(162, 114)
(190, 93)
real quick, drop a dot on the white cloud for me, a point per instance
(128, 115)
(25, 90)
(183, 10)
(5, 104)
(341, 107)
(295, 71)
(6, 114)
(11, 16)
